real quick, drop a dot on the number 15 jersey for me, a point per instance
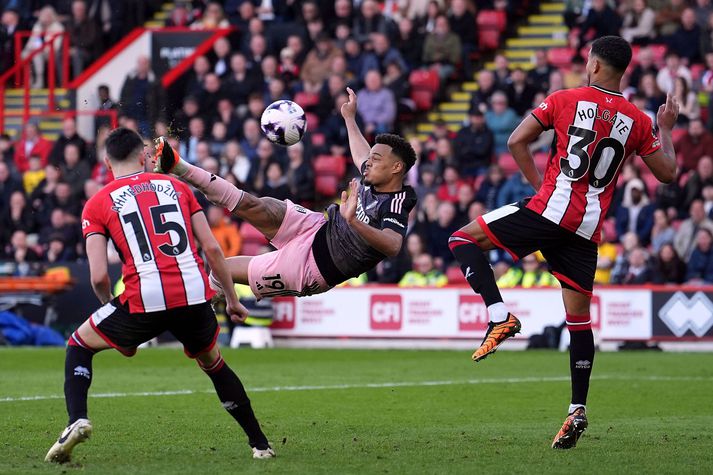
(148, 217)
(595, 131)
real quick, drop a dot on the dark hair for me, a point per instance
(613, 50)
(123, 143)
(399, 147)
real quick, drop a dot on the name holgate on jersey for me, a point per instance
(145, 187)
(606, 115)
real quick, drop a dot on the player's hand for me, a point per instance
(349, 202)
(349, 109)
(236, 311)
(668, 113)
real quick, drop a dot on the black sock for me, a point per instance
(77, 379)
(475, 267)
(235, 400)
(581, 356)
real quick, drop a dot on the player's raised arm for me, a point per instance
(386, 241)
(518, 143)
(357, 143)
(216, 260)
(663, 161)
(98, 267)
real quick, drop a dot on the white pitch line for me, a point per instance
(396, 384)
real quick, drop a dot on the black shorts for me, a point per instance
(195, 326)
(520, 231)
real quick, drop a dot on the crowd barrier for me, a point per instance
(651, 313)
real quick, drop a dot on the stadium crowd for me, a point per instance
(310, 51)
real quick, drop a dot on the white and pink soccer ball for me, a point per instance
(283, 123)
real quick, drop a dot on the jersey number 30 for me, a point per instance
(161, 227)
(603, 170)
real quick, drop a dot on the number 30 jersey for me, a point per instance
(148, 217)
(595, 131)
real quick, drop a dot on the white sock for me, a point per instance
(574, 407)
(498, 312)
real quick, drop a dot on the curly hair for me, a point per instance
(399, 147)
(613, 50)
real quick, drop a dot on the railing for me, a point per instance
(112, 114)
(21, 71)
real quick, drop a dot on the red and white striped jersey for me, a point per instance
(148, 217)
(595, 131)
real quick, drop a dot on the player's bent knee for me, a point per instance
(211, 360)
(88, 338)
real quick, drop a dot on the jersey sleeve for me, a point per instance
(394, 212)
(545, 112)
(649, 142)
(93, 218)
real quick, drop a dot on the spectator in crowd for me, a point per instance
(686, 40)
(707, 39)
(689, 109)
(383, 54)
(426, 215)
(427, 20)
(31, 143)
(666, 77)
(19, 250)
(300, 177)
(692, 145)
(225, 231)
(606, 259)
(424, 274)
(34, 175)
(502, 72)
(662, 232)
(474, 145)
(44, 189)
(85, 38)
(638, 27)
(371, 20)
(69, 135)
(251, 138)
(17, 216)
(7, 152)
(213, 17)
(448, 191)
(196, 129)
(703, 176)
(653, 97)
(44, 30)
(486, 88)
(142, 96)
(220, 57)
(645, 65)
(106, 103)
(241, 82)
(427, 184)
(276, 185)
(529, 275)
(700, 265)
(9, 26)
(409, 42)
(8, 185)
(315, 69)
(515, 189)
(442, 49)
(637, 270)
(439, 231)
(702, 11)
(521, 95)
(636, 213)
(74, 170)
(576, 75)
(490, 187)
(58, 226)
(502, 120)
(57, 251)
(539, 76)
(668, 17)
(440, 131)
(684, 242)
(707, 196)
(462, 23)
(63, 198)
(668, 267)
(602, 20)
(466, 196)
(376, 104)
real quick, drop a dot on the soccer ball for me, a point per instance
(283, 123)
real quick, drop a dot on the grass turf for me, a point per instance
(649, 413)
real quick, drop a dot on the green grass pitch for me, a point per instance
(348, 411)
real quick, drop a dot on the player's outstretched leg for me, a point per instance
(467, 245)
(235, 400)
(266, 214)
(581, 359)
(77, 379)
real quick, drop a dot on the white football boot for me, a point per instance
(268, 453)
(74, 434)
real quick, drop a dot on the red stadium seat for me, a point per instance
(253, 240)
(307, 99)
(318, 139)
(455, 275)
(312, 120)
(659, 52)
(560, 57)
(422, 99)
(425, 84)
(326, 185)
(330, 165)
(609, 229)
(697, 71)
(507, 163)
(492, 19)
(488, 39)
